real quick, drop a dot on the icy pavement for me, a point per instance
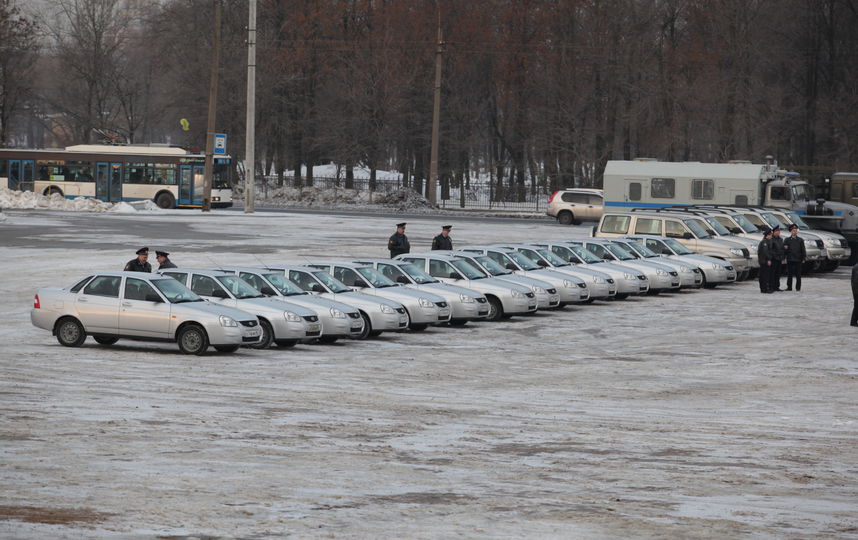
(722, 413)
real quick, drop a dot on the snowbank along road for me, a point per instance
(710, 413)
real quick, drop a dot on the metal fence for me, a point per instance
(480, 196)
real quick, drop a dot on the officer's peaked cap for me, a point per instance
(143, 251)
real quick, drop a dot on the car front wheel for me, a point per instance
(495, 309)
(367, 327)
(192, 339)
(70, 332)
(267, 335)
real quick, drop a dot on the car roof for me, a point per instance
(298, 267)
(376, 260)
(493, 247)
(242, 268)
(432, 255)
(346, 264)
(201, 271)
(595, 191)
(120, 273)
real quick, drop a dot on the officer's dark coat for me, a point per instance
(442, 242)
(777, 246)
(795, 250)
(135, 265)
(398, 244)
(167, 264)
(764, 251)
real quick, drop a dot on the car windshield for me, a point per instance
(641, 249)
(491, 266)
(551, 257)
(697, 228)
(677, 248)
(239, 288)
(175, 292)
(782, 220)
(467, 269)
(756, 220)
(744, 223)
(802, 224)
(286, 287)
(803, 192)
(619, 252)
(417, 274)
(632, 251)
(376, 278)
(585, 255)
(770, 219)
(332, 283)
(522, 261)
(715, 224)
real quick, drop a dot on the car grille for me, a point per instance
(551, 291)
(610, 280)
(441, 304)
(249, 323)
(317, 333)
(250, 339)
(354, 315)
(641, 277)
(844, 243)
(400, 310)
(674, 274)
(820, 244)
(745, 252)
(311, 318)
(481, 300)
(529, 295)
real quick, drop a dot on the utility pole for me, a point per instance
(209, 167)
(436, 119)
(250, 136)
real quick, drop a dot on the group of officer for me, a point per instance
(773, 252)
(141, 263)
(398, 243)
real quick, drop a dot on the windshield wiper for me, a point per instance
(188, 300)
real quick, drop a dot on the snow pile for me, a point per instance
(55, 201)
(401, 199)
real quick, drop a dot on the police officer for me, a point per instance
(764, 255)
(398, 243)
(140, 264)
(164, 261)
(443, 240)
(778, 254)
(854, 321)
(796, 254)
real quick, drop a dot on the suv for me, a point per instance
(574, 205)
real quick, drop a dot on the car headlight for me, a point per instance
(425, 302)
(292, 317)
(716, 266)
(810, 243)
(227, 321)
(517, 294)
(736, 251)
(597, 279)
(538, 290)
(337, 314)
(466, 299)
(631, 277)
(686, 269)
(832, 242)
(660, 272)
(569, 284)
(386, 309)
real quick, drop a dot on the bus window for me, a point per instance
(662, 188)
(702, 189)
(741, 200)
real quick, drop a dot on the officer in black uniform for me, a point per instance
(140, 264)
(398, 243)
(778, 254)
(443, 240)
(854, 321)
(164, 261)
(764, 255)
(796, 254)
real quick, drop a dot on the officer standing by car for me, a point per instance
(443, 240)
(398, 243)
(796, 254)
(140, 264)
(778, 253)
(854, 321)
(764, 256)
(164, 261)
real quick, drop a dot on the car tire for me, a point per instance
(621, 296)
(367, 327)
(565, 217)
(226, 348)
(285, 343)
(327, 340)
(418, 327)
(70, 333)
(165, 200)
(192, 339)
(105, 340)
(495, 309)
(458, 322)
(267, 335)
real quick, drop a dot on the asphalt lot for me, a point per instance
(714, 413)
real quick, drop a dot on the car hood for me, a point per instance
(446, 289)
(212, 309)
(401, 294)
(271, 305)
(357, 296)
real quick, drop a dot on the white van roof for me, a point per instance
(685, 169)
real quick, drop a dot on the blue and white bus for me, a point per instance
(169, 176)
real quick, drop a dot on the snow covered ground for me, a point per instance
(716, 413)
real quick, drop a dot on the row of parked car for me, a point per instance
(231, 306)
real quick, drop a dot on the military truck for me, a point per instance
(648, 183)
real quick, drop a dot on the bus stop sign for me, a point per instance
(220, 143)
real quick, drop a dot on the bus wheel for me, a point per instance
(165, 200)
(53, 189)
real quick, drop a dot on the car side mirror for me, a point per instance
(268, 291)
(510, 266)
(152, 297)
(220, 293)
(688, 236)
(541, 263)
(315, 287)
(736, 230)
(455, 275)
(402, 279)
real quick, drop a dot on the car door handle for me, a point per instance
(82, 300)
(126, 304)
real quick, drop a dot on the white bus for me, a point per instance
(171, 177)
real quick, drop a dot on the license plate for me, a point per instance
(675, 284)
(531, 306)
(313, 327)
(486, 312)
(444, 313)
(253, 333)
(644, 288)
